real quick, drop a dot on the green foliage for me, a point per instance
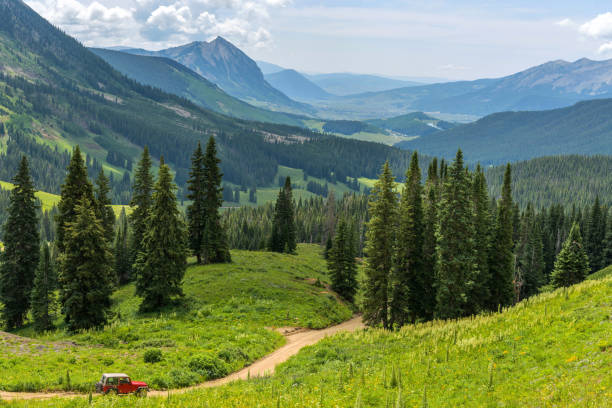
(141, 203)
(161, 263)
(21, 250)
(44, 301)
(341, 262)
(121, 251)
(381, 232)
(104, 210)
(572, 264)
(208, 366)
(413, 124)
(152, 356)
(283, 235)
(348, 127)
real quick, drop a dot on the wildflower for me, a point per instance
(571, 359)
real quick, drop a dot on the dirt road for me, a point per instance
(265, 366)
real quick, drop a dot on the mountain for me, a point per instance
(296, 85)
(584, 128)
(548, 86)
(55, 94)
(268, 68)
(223, 64)
(349, 84)
(413, 124)
(175, 78)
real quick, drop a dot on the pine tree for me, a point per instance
(160, 266)
(21, 242)
(502, 258)
(341, 262)
(607, 252)
(429, 238)
(86, 272)
(283, 237)
(456, 258)
(482, 242)
(196, 211)
(410, 285)
(121, 252)
(74, 188)
(531, 258)
(595, 236)
(140, 203)
(43, 294)
(380, 242)
(215, 247)
(572, 264)
(104, 209)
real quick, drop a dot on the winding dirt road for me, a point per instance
(264, 366)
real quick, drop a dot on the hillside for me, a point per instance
(558, 343)
(584, 128)
(551, 85)
(232, 70)
(224, 318)
(296, 85)
(349, 84)
(172, 77)
(566, 180)
(413, 124)
(55, 94)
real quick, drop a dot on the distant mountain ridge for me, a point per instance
(232, 70)
(296, 85)
(551, 85)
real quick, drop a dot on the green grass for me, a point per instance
(554, 350)
(225, 316)
(47, 200)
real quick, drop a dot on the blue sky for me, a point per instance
(450, 39)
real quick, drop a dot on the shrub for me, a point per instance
(182, 378)
(153, 356)
(209, 366)
(232, 354)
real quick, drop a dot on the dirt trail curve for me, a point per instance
(264, 366)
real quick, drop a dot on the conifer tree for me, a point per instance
(572, 264)
(160, 265)
(432, 189)
(410, 284)
(86, 270)
(104, 210)
(607, 252)
(140, 203)
(502, 258)
(283, 237)
(341, 262)
(479, 293)
(455, 268)
(20, 257)
(380, 241)
(215, 248)
(43, 294)
(595, 236)
(123, 264)
(530, 259)
(74, 188)
(196, 211)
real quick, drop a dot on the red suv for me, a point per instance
(120, 384)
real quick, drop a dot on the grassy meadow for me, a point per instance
(554, 350)
(222, 325)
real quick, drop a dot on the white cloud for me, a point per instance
(566, 22)
(605, 48)
(147, 23)
(599, 27)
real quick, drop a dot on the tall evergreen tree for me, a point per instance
(196, 211)
(409, 282)
(43, 294)
(283, 237)
(530, 259)
(104, 209)
(432, 189)
(215, 248)
(86, 271)
(160, 266)
(502, 259)
(140, 203)
(572, 264)
(74, 188)
(380, 242)
(455, 268)
(482, 243)
(341, 262)
(595, 236)
(21, 242)
(607, 252)
(121, 252)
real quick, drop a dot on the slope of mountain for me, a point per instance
(413, 124)
(584, 128)
(349, 84)
(55, 94)
(223, 64)
(172, 77)
(548, 86)
(296, 86)
(269, 68)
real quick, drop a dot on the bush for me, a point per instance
(232, 354)
(182, 378)
(153, 356)
(209, 366)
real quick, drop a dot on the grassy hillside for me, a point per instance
(584, 128)
(553, 350)
(224, 318)
(172, 77)
(413, 124)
